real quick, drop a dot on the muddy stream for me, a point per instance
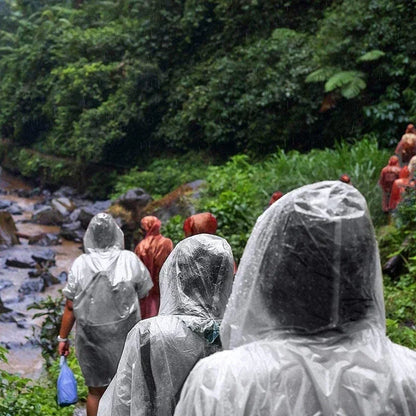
(24, 358)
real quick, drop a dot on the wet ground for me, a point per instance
(24, 358)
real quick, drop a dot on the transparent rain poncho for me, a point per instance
(305, 322)
(105, 285)
(195, 283)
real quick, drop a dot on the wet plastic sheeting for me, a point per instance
(195, 283)
(105, 285)
(305, 323)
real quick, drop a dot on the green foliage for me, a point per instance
(25, 397)
(163, 175)
(174, 229)
(52, 310)
(239, 191)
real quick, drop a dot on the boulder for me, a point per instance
(8, 230)
(85, 213)
(4, 284)
(72, 231)
(134, 200)
(63, 205)
(45, 240)
(32, 286)
(178, 202)
(3, 309)
(48, 216)
(29, 258)
(49, 279)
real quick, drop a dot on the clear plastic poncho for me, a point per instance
(305, 321)
(105, 285)
(195, 283)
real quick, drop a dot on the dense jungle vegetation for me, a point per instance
(251, 95)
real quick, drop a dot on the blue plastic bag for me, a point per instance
(66, 385)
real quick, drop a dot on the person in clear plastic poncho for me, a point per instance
(103, 290)
(305, 323)
(195, 283)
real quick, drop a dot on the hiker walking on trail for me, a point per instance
(153, 250)
(103, 290)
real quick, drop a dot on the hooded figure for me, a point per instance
(103, 290)
(153, 250)
(388, 175)
(204, 222)
(195, 283)
(406, 148)
(305, 322)
(399, 187)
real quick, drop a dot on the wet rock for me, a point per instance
(32, 286)
(45, 240)
(63, 277)
(44, 256)
(63, 205)
(21, 260)
(4, 284)
(3, 309)
(65, 191)
(12, 316)
(179, 202)
(72, 231)
(49, 279)
(29, 257)
(8, 230)
(134, 199)
(15, 209)
(5, 204)
(85, 214)
(48, 216)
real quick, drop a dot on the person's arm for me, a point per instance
(68, 320)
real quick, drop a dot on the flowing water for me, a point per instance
(24, 358)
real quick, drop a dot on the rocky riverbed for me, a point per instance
(29, 272)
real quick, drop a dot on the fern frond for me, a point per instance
(354, 88)
(371, 56)
(342, 79)
(321, 74)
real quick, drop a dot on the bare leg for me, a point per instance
(94, 396)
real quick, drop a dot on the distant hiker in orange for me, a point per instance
(201, 223)
(275, 197)
(388, 175)
(152, 251)
(398, 188)
(345, 178)
(406, 148)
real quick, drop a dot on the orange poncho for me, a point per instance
(398, 188)
(152, 251)
(200, 223)
(388, 175)
(406, 148)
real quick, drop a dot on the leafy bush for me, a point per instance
(163, 175)
(25, 397)
(239, 191)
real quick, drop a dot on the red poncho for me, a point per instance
(200, 223)
(152, 251)
(406, 148)
(399, 186)
(388, 175)
(275, 197)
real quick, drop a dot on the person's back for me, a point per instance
(160, 352)
(153, 250)
(307, 329)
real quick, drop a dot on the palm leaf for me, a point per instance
(321, 74)
(354, 88)
(342, 79)
(371, 56)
